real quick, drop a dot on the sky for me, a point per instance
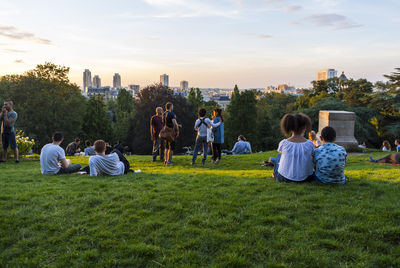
(210, 43)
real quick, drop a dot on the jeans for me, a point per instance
(122, 159)
(216, 151)
(158, 148)
(200, 141)
(70, 169)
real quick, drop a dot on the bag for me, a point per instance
(167, 134)
(210, 135)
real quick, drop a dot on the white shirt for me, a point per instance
(106, 165)
(385, 149)
(50, 158)
(296, 162)
(201, 128)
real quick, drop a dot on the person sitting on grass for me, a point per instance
(312, 136)
(329, 159)
(386, 146)
(397, 143)
(52, 158)
(73, 148)
(201, 125)
(89, 150)
(107, 164)
(295, 159)
(242, 146)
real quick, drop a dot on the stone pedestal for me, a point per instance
(343, 123)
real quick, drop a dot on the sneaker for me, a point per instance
(372, 160)
(154, 160)
(169, 163)
(16, 161)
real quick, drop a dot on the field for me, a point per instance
(232, 214)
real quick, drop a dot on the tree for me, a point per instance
(242, 113)
(149, 98)
(46, 102)
(195, 98)
(96, 122)
(124, 111)
(394, 79)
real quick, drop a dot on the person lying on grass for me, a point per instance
(393, 159)
(112, 164)
(52, 158)
(294, 162)
(329, 159)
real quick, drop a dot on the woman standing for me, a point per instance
(218, 135)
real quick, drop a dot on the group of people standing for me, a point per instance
(210, 134)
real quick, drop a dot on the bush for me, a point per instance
(24, 144)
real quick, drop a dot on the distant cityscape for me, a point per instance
(222, 96)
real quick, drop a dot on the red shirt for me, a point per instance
(156, 123)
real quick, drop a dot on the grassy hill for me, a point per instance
(231, 214)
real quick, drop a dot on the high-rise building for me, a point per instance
(87, 80)
(326, 74)
(96, 81)
(117, 81)
(164, 79)
(184, 85)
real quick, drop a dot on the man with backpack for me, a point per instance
(201, 125)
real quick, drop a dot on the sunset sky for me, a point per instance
(252, 43)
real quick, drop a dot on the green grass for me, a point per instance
(230, 215)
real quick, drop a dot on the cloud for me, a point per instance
(189, 9)
(14, 33)
(261, 36)
(335, 21)
(12, 50)
(19, 61)
(294, 8)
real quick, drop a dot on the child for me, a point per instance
(329, 159)
(201, 126)
(294, 163)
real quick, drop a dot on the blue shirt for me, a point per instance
(89, 151)
(398, 148)
(241, 147)
(330, 160)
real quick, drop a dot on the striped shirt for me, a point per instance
(106, 165)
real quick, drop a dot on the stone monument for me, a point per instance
(343, 123)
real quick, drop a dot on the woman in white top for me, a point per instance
(386, 146)
(294, 164)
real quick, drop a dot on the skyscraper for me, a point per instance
(117, 81)
(87, 80)
(164, 79)
(96, 81)
(326, 74)
(184, 85)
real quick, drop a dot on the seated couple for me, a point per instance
(242, 146)
(53, 161)
(297, 156)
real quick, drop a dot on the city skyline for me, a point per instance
(251, 43)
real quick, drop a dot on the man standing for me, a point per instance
(169, 119)
(73, 148)
(8, 117)
(52, 158)
(156, 124)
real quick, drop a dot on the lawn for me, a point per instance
(232, 214)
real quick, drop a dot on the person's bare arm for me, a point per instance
(151, 129)
(64, 163)
(176, 126)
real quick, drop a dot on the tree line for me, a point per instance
(47, 101)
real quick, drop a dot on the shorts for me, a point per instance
(170, 145)
(8, 139)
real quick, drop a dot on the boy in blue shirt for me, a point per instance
(329, 159)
